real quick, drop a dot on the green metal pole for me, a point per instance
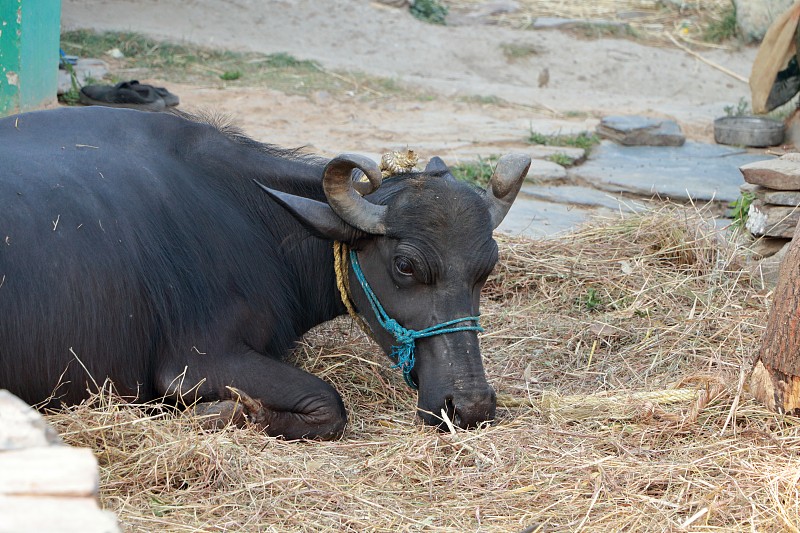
(29, 44)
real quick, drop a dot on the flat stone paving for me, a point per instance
(542, 219)
(698, 171)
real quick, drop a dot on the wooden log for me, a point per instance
(65, 515)
(775, 379)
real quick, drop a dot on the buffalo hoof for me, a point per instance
(217, 415)
(239, 411)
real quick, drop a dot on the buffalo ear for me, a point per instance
(436, 165)
(317, 217)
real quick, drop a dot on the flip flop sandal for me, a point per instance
(170, 99)
(124, 94)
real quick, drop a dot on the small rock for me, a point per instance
(116, 53)
(790, 198)
(772, 220)
(767, 246)
(782, 174)
(771, 196)
(641, 131)
(606, 331)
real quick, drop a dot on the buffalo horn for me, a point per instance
(506, 181)
(343, 194)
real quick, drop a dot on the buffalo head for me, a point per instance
(423, 243)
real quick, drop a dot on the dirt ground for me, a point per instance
(587, 78)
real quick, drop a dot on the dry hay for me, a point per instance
(617, 352)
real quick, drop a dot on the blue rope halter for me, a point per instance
(403, 351)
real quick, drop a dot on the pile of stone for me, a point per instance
(775, 210)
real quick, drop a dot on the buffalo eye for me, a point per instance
(404, 266)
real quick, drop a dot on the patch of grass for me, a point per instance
(230, 75)
(477, 172)
(591, 300)
(561, 159)
(72, 96)
(740, 208)
(484, 99)
(741, 109)
(431, 11)
(612, 30)
(722, 28)
(514, 52)
(185, 63)
(577, 114)
(583, 140)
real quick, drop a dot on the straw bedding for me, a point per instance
(618, 353)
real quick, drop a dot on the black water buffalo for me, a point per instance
(138, 247)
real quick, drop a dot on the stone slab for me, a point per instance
(767, 246)
(782, 174)
(695, 170)
(636, 130)
(539, 219)
(772, 220)
(577, 195)
(772, 196)
(542, 171)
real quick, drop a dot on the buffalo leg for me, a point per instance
(286, 401)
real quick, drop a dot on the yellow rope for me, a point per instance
(340, 252)
(391, 163)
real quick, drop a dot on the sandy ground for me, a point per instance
(607, 76)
